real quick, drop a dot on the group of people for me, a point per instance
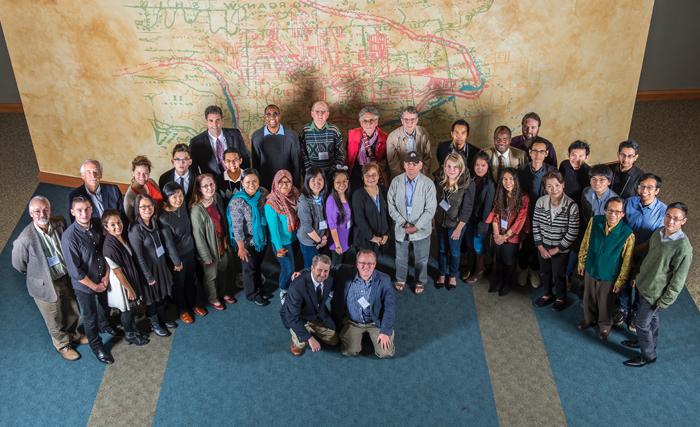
(211, 219)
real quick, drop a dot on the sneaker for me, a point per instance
(534, 277)
(283, 295)
(619, 317)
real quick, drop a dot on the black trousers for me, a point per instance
(95, 313)
(127, 319)
(506, 260)
(252, 273)
(184, 283)
(553, 274)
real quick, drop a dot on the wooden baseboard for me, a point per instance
(668, 95)
(71, 181)
(11, 108)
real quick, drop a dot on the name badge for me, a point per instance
(504, 224)
(363, 302)
(322, 225)
(159, 251)
(54, 260)
(323, 155)
(348, 225)
(444, 205)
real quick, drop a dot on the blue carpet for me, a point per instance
(234, 367)
(596, 389)
(38, 386)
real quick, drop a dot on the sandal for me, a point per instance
(451, 283)
(418, 289)
(440, 282)
(399, 286)
(474, 277)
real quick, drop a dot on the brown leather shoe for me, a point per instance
(186, 317)
(69, 353)
(296, 351)
(200, 311)
(583, 325)
(82, 340)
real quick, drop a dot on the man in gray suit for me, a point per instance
(37, 254)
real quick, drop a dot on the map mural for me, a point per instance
(114, 79)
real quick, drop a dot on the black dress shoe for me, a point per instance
(638, 361)
(170, 324)
(260, 301)
(630, 343)
(503, 292)
(559, 305)
(112, 331)
(103, 355)
(543, 301)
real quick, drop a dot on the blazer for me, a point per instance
(518, 158)
(396, 148)
(203, 231)
(382, 304)
(28, 258)
(112, 198)
(368, 221)
(169, 176)
(424, 205)
(201, 152)
(302, 305)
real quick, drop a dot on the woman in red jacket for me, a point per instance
(365, 144)
(508, 219)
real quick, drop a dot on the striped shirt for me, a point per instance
(559, 230)
(322, 147)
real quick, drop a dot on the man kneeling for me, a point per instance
(304, 310)
(364, 302)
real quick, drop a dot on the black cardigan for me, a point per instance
(368, 222)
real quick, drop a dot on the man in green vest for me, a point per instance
(604, 260)
(660, 280)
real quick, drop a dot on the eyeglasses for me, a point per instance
(646, 187)
(366, 264)
(409, 120)
(369, 121)
(208, 185)
(538, 151)
(180, 159)
(673, 218)
(145, 207)
(272, 114)
(614, 212)
(627, 156)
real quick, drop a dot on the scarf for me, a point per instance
(258, 232)
(284, 205)
(366, 153)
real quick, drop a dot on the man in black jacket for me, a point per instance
(459, 144)
(207, 148)
(626, 174)
(181, 173)
(101, 196)
(304, 310)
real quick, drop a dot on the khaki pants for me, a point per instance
(351, 339)
(217, 280)
(61, 317)
(319, 330)
(598, 302)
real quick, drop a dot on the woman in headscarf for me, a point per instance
(282, 221)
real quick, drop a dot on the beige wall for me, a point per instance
(114, 79)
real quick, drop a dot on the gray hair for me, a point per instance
(94, 162)
(410, 110)
(368, 109)
(325, 259)
(38, 199)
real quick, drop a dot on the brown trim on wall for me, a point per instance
(668, 95)
(70, 181)
(11, 108)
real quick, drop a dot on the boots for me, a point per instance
(157, 327)
(135, 338)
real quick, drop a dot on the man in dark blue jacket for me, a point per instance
(363, 302)
(101, 196)
(304, 310)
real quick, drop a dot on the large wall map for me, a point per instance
(118, 78)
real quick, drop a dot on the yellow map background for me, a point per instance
(113, 79)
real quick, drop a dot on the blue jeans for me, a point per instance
(647, 323)
(445, 244)
(308, 252)
(286, 268)
(628, 298)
